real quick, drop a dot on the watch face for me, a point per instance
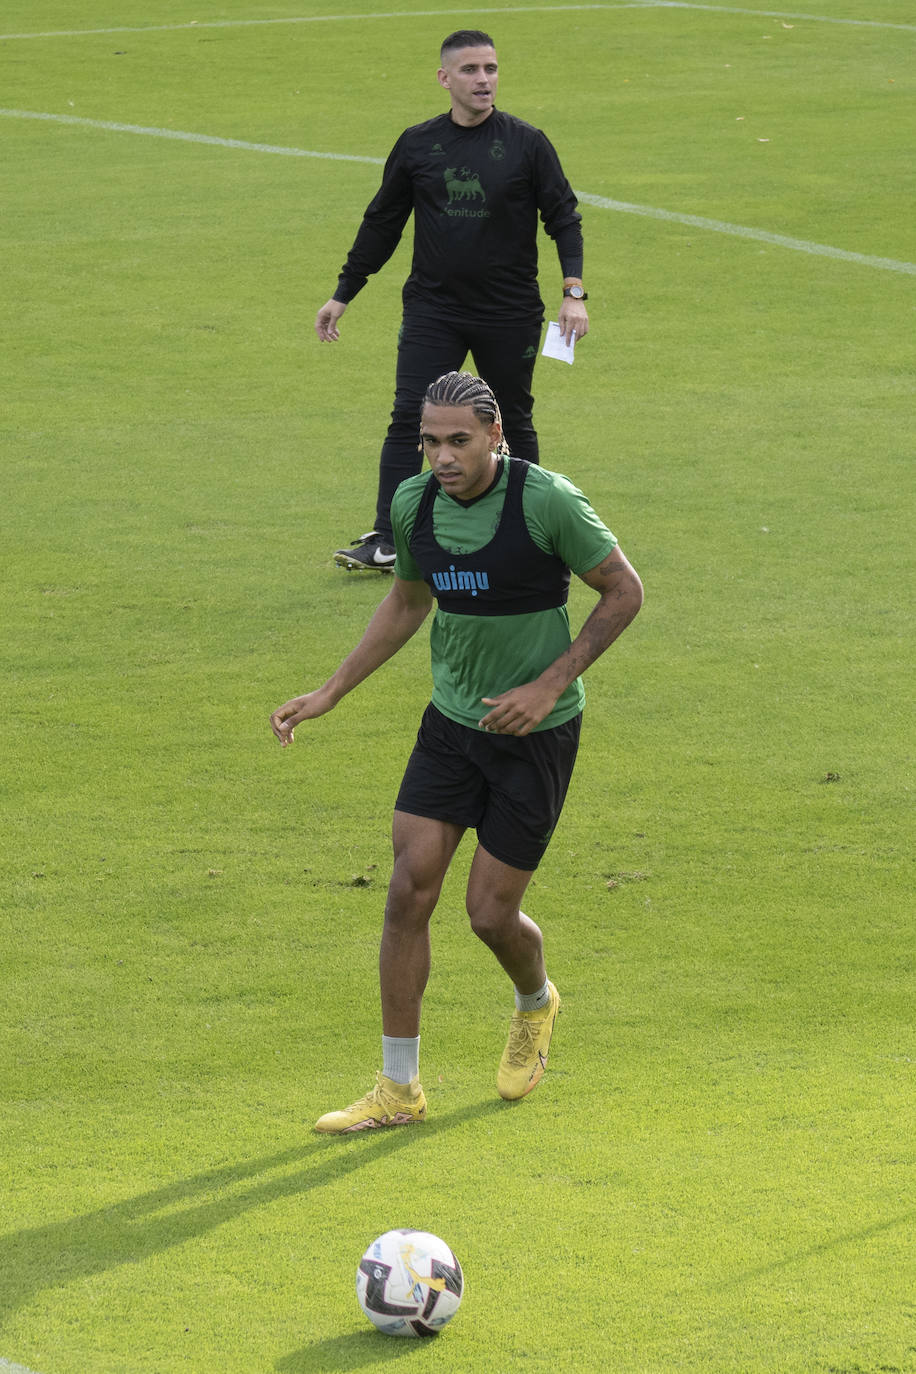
(576, 292)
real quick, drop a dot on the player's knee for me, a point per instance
(411, 898)
(489, 921)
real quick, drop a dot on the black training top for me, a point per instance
(475, 194)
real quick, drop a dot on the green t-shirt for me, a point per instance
(482, 656)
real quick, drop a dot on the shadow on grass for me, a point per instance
(355, 1351)
(814, 1251)
(44, 1257)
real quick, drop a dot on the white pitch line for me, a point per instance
(599, 202)
(326, 19)
(7, 1368)
(719, 226)
(430, 14)
(183, 137)
(777, 14)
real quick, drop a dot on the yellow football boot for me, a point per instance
(387, 1104)
(525, 1056)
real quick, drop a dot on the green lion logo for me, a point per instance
(465, 186)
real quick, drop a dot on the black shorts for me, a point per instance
(508, 788)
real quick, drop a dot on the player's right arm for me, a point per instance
(378, 236)
(396, 620)
(326, 321)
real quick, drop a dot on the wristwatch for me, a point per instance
(577, 292)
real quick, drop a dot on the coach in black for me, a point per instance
(476, 180)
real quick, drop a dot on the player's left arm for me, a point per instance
(563, 222)
(572, 318)
(620, 594)
(620, 597)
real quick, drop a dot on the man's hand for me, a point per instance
(573, 318)
(619, 589)
(326, 321)
(519, 710)
(293, 712)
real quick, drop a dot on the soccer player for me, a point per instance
(475, 179)
(493, 539)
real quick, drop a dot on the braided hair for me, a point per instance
(464, 389)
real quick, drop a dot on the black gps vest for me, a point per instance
(508, 576)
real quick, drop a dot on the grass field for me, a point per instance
(717, 1173)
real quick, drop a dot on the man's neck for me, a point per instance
(466, 123)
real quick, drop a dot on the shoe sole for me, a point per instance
(371, 1124)
(356, 565)
(538, 1073)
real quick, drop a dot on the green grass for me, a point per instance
(717, 1172)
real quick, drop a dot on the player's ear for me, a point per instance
(442, 77)
(495, 435)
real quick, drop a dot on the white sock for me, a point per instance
(400, 1058)
(533, 1001)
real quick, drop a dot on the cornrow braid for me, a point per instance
(464, 389)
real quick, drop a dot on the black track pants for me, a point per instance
(504, 356)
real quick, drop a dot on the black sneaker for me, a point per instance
(368, 553)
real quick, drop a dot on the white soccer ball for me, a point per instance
(409, 1283)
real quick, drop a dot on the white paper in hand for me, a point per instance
(555, 345)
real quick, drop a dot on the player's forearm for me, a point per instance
(393, 624)
(378, 235)
(570, 251)
(616, 608)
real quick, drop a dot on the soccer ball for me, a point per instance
(409, 1283)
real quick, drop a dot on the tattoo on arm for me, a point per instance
(614, 564)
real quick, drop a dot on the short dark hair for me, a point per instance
(466, 38)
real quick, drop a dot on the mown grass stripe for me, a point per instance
(717, 226)
(429, 14)
(323, 19)
(585, 197)
(183, 136)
